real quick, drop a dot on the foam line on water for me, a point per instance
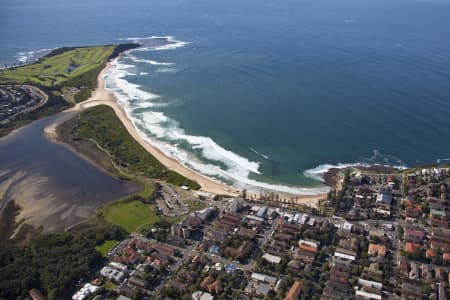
(207, 157)
(318, 172)
(376, 159)
(149, 61)
(171, 43)
(166, 70)
(260, 154)
(28, 56)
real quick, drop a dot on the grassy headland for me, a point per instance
(101, 125)
(59, 67)
(62, 70)
(65, 67)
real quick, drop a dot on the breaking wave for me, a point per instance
(167, 70)
(156, 43)
(257, 153)
(148, 61)
(317, 173)
(25, 57)
(199, 153)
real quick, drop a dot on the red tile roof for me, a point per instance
(411, 247)
(446, 256)
(431, 253)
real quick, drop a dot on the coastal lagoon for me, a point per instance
(265, 95)
(53, 186)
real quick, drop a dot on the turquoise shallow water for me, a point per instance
(268, 92)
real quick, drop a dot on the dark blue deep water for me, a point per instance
(266, 90)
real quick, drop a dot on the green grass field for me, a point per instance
(55, 73)
(110, 286)
(59, 69)
(106, 246)
(130, 215)
(195, 205)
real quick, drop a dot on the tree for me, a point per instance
(401, 231)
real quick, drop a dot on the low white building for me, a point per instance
(347, 226)
(345, 254)
(118, 266)
(369, 296)
(273, 259)
(112, 274)
(199, 295)
(87, 290)
(370, 284)
(264, 278)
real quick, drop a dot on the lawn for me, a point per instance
(130, 214)
(195, 205)
(54, 70)
(110, 286)
(106, 246)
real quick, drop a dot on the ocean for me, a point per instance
(265, 95)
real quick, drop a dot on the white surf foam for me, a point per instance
(237, 172)
(260, 154)
(115, 82)
(143, 105)
(166, 134)
(442, 160)
(376, 159)
(318, 172)
(171, 44)
(166, 70)
(29, 56)
(148, 61)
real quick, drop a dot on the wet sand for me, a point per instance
(54, 187)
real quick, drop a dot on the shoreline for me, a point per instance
(100, 96)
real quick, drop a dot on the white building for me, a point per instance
(85, 291)
(112, 274)
(199, 295)
(272, 258)
(118, 266)
(264, 278)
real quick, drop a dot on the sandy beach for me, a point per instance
(102, 97)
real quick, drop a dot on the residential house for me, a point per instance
(294, 291)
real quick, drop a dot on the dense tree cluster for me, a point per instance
(51, 263)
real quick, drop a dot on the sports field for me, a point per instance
(131, 215)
